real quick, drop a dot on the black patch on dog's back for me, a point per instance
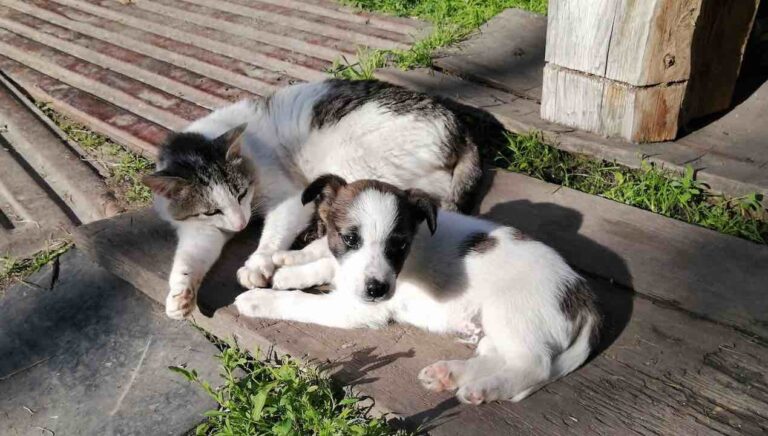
(577, 303)
(478, 243)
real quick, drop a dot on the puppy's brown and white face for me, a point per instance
(370, 226)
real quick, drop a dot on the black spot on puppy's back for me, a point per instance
(477, 243)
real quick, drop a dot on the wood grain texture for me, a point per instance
(726, 155)
(639, 114)
(661, 370)
(679, 60)
(579, 34)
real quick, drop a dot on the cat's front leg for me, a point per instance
(282, 224)
(199, 247)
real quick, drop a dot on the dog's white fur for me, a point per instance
(370, 142)
(509, 293)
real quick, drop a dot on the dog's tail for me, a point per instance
(587, 336)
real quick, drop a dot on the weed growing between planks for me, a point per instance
(451, 20)
(279, 396)
(124, 167)
(651, 187)
(15, 270)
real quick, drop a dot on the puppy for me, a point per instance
(392, 256)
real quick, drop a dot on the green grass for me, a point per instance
(125, 168)
(451, 20)
(15, 270)
(651, 187)
(279, 397)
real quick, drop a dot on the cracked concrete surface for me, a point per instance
(90, 357)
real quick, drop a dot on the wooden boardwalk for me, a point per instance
(136, 70)
(686, 355)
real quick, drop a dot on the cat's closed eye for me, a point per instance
(213, 212)
(241, 195)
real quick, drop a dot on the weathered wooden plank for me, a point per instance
(516, 63)
(311, 45)
(210, 65)
(175, 41)
(580, 44)
(326, 27)
(640, 114)
(711, 152)
(334, 10)
(680, 58)
(109, 57)
(127, 128)
(663, 371)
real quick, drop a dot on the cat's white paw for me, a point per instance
(254, 303)
(180, 301)
(256, 272)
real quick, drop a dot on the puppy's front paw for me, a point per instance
(286, 258)
(256, 272)
(437, 377)
(254, 303)
(180, 301)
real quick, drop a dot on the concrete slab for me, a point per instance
(88, 355)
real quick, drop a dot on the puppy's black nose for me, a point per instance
(376, 289)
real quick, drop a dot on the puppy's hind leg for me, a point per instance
(514, 381)
(448, 375)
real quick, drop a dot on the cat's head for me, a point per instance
(205, 181)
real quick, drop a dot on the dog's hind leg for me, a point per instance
(514, 380)
(448, 375)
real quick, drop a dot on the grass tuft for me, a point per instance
(15, 270)
(279, 397)
(125, 168)
(651, 187)
(451, 20)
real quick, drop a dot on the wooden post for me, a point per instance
(641, 69)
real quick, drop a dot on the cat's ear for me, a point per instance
(323, 188)
(164, 184)
(232, 139)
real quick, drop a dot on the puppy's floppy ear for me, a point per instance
(323, 188)
(425, 206)
(232, 139)
(165, 184)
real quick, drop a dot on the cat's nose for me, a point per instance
(239, 222)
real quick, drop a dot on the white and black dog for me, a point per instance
(390, 255)
(259, 155)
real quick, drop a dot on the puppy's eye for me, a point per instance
(241, 196)
(398, 244)
(351, 240)
(212, 212)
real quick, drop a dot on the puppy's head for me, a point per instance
(370, 226)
